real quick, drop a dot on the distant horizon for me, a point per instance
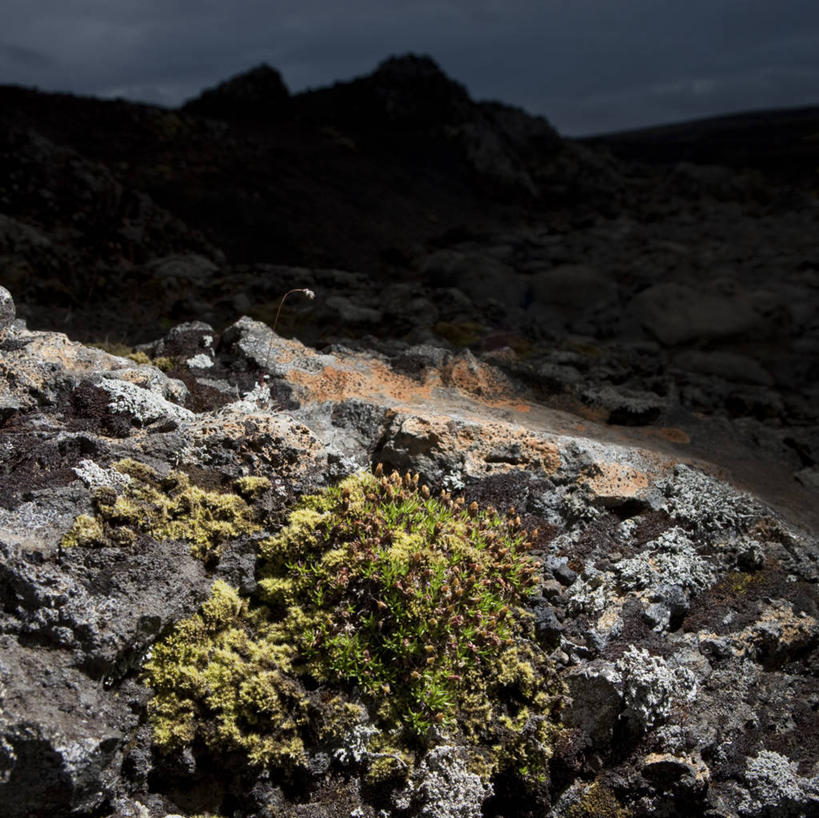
(648, 125)
(590, 67)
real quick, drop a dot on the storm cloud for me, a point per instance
(587, 65)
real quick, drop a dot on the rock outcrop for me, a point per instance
(258, 95)
(678, 614)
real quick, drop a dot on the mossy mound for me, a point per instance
(225, 677)
(403, 604)
(169, 508)
(598, 802)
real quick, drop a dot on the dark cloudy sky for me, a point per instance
(587, 65)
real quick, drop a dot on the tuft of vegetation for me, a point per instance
(224, 678)
(460, 333)
(407, 607)
(167, 508)
(598, 802)
(405, 596)
(122, 350)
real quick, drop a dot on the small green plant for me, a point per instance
(224, 678)
(407, 597)
(598, 802)
(137, 356)
(405, 604)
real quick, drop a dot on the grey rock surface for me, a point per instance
(681, 611)
(7, 310)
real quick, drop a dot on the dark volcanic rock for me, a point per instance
(408, 103)
(258, 95)
(408, 93)
(684, 618)
(623, 353)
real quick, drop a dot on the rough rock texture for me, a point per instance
(625, 352)
(680, 612)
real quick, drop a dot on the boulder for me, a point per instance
(677, 314)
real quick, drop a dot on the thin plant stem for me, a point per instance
(310, 294)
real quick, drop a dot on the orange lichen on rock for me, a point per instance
(618, 482)
(364, 377)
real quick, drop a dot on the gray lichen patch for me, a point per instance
(774, 785)
(651, 688)
(671, 559)
(141, 405)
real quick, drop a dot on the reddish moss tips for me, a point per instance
(407, 605)
(387, 564)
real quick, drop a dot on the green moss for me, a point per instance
(117, 348)
(339, 717)
(405, 604)
(460, 333)
(139, 357)
(598, 802)
(390, 770)
(411, 599)
(251, 488)
(86, 531)
(169, 508)
(216, 683)
(741, 582)
(165, 364)
(124, 351)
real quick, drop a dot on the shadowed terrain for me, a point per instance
(584, 374)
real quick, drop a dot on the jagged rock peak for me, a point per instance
(411, 66)
(405, 91)
(413, 86)
(257, 94)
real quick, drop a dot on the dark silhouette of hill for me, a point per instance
(347, 175)
(369, 175)
(783, 143)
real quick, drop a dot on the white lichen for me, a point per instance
(354, 747)
(94, 476)
(671, 559)
(589, 593)
(651, 687)
(145, 406)
(774, 784)
(200, 361)
(712, 507)
(443, 787)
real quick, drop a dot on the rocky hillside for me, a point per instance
(516, 517)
